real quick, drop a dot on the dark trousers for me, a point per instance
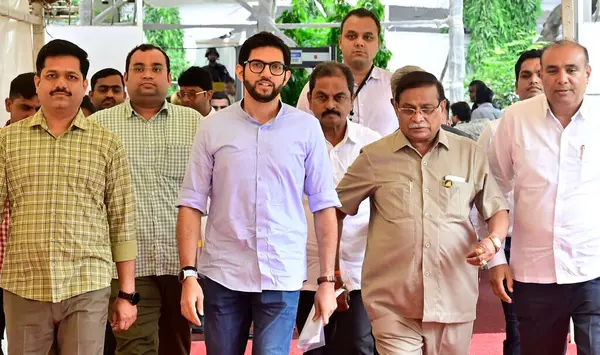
(348, 333)
(544, 310)
(110, 343)
(228, 315)
(159, 328)
(2, 320)
(512, 345)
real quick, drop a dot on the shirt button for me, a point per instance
(259, 178)
(427, 245)
(260, 152)
(427, 215)
(427, 273)
(425, 163)
(426, 191)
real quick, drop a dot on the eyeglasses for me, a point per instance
(191, 94)
(424, 111)
(258, 66)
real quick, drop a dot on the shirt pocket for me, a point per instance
(590, 162)
(174, 161)
(456, 200)
(393, 201)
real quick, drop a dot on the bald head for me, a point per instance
(398, 74)
(566, 43)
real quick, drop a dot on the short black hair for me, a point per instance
(526, 55)
(104, 73)
(484, 94)
(477, 83)
(462, 110)
(264, 39)
(419, 79)
(229, 79)
(362, 12)
(87, 104)
(196, 76)
(220, 95)
(565, 42)
(145, 48)
(61, 48)
(329, 69)
(22, 86)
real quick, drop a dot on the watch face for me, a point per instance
(135, 298)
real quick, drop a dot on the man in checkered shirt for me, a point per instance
(22, 102)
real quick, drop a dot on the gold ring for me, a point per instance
(483, 263)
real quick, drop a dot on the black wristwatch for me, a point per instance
(187, 271)
(133, 298)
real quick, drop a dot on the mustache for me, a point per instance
(331, 112)
(60, 90)
(417, 125)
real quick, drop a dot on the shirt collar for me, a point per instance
(38, 119)
(401, 141)
(165, 108)
(351, 131)
(376, 73)
(245, 114)
(584, 109)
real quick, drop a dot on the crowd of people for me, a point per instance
(130, 216)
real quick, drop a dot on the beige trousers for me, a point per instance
(396, 335)
(72, 327)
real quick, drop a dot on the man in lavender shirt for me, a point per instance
(255, 160)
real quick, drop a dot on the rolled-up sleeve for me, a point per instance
(120, 205)
(197, 182)
(357, 184)
(489, 198)
(318, 183)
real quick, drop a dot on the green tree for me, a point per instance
(500, 31)
(171, 41)
(309, 11)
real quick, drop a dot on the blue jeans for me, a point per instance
(543, 311)
(228, 315)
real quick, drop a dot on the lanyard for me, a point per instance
(360, 88)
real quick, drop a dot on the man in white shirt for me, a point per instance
(547, 147)
(330, 98)
(360, 42)
(527, 85)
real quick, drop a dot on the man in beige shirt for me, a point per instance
(420, 270)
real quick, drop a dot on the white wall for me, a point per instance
(107, 46)
(16, 50)
(426, 50)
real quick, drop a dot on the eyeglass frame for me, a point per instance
(285, 67)
(420, 110)
(192, 96)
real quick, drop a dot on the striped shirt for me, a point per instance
(72, 211)
(158, 150)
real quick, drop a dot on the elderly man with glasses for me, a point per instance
(420, 272)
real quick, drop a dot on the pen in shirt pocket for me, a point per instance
(582, 151)
(410, 186)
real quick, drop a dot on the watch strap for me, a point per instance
(322, 279)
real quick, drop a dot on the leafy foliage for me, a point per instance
(322, 11)
(171, 41)
(500, 31)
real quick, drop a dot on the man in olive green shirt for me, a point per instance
(420, 272)
(72, 215)
(158, 138)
